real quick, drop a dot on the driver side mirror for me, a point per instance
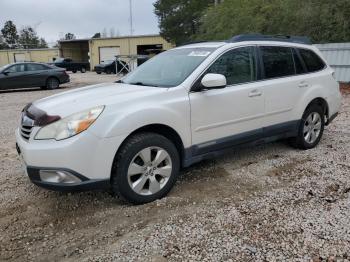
(5, 73)
(214, 81)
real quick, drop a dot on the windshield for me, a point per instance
(2, 68)
(168, 69)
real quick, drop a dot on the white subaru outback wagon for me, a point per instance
(182, 106)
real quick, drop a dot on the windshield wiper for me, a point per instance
(141, 84)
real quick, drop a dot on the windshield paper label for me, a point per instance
(199, 53)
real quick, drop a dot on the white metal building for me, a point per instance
(338, 56)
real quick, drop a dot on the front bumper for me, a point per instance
(85, 184)
(86, 156)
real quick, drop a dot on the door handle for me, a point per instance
(255, 93)
(303, 84)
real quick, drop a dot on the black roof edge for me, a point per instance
(280, 38)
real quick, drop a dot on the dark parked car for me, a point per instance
(70, 65)
(22, 75)
(109, 67)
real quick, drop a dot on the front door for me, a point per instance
(13, 77)
(232, 115)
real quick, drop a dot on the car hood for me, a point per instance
(81, 99)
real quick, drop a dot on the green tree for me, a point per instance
(3, 45)
(9, 34)
(28, 38)
(322, 21)
(179, 20)
(42, 43)
(69, 36)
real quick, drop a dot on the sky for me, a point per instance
(53, 18)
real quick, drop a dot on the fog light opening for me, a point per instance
(58, 176)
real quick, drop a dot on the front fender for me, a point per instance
(172, 111)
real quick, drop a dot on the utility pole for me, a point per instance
(131, 22)
(131, 27)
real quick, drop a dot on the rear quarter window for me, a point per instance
(312, 61)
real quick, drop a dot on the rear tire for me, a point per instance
(108, 71)
(83, 70)
(145, 168)
(52, 83)
(311, 128)
(98, 73)
(74, 71)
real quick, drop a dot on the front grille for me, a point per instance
(26, 131)
(27, 125)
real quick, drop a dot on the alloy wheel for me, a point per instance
(312, 127)
(149, 171)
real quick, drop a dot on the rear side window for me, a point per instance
(36, 67)
(312, 61)
(237, 65)
(278, 61)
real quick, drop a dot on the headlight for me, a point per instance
(70, 126)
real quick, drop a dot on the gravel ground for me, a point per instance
(269, 203)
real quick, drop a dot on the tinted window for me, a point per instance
(299, 68)
(238, 66)
(16, 68)
(278, 61)
(36, 67)
(312, 61)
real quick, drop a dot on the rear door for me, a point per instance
(36, 74)
(283, 81)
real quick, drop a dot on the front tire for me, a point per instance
(145, 168)
(311, 128)
(83, 70)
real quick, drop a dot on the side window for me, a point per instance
(16, 68)
(238, 66)
(312, 61)
(299, 67)
(35, 67)
(278, 61)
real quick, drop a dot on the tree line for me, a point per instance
(182, 21)
(26, 38)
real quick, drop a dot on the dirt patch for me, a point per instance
(266, 203)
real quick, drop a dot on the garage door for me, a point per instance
(19, 57)
(109, 53)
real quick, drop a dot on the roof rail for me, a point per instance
(280, 38)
